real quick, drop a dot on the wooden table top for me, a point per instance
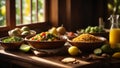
(30, 60)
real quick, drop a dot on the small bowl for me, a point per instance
(45, 44)
(88, 46)
(10, 46)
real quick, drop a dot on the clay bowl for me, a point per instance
(88, 46)
(10, 45)
(44, 44)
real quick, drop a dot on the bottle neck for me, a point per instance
(114, 25)
(114, 21)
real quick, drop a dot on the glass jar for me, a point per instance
(114, 35)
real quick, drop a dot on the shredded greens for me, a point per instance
(12, 39)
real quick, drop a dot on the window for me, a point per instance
(2, 13)
(29, 11)
(21, 12)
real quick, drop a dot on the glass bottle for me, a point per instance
(114, 35)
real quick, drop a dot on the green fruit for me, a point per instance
(73, 50)
(106, 48)
(117, 47)
(92, 29)
(98, 51)
(96, 28)
(82, 31)
(25, 33)
(25, 28)
(87, 30)
(25, 48)
(14, 32)
(18, 29)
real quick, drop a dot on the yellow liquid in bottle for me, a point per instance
(114, 37)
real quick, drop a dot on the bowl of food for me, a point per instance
(87, 42)
(94, 30)
(45, 40)
(11, 43)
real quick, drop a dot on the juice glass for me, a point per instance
(114, 37)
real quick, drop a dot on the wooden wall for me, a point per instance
(75, 14)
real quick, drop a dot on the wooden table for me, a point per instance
(29, 60)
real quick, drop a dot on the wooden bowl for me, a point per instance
(45, 44)
(88, 46)
(10, 45)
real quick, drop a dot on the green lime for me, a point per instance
(24, 47)
(117, 47)
(116, 55)
(98, 51)
(106, 48)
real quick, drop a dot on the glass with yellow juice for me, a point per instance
(114, 37)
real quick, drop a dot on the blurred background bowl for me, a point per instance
(85, 46)
(23, 35)
(10, 45)
(44, 44)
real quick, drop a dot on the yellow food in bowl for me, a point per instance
(86, 37)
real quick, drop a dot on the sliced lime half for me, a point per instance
(25, 47)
